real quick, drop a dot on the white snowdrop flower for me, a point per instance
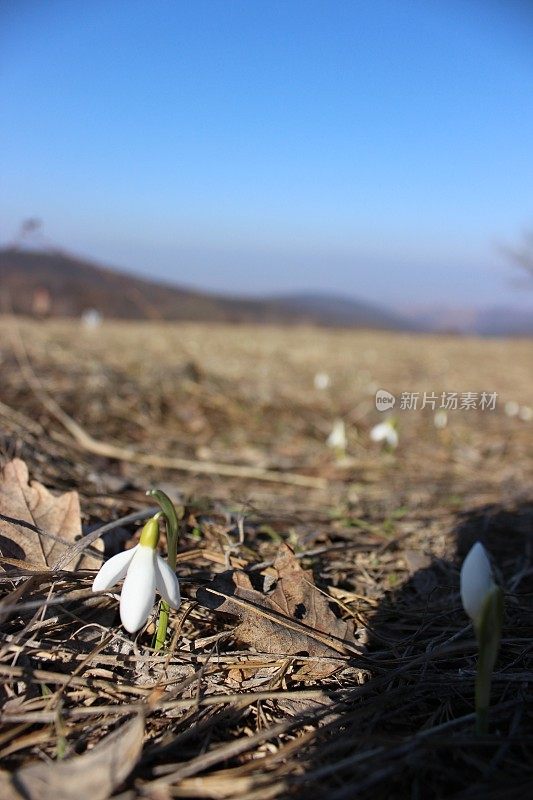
(526, 413)
(386, 432)
(511, 408)
(91, 319)
(476, 582)
(337, 438)
(322, 380)
(440, 419)
(145, 572)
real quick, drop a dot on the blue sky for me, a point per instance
(380, 148)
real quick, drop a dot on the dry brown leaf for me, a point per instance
(58, 515)
(95, 774)
(295, 618)
(7, 788)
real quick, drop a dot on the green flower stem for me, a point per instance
(482, 719)
(488, 633)
(171, 519)
(162, 625)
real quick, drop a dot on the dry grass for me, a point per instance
(384, 540)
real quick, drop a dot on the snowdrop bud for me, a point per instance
(476, 582)
(511, 408)
(386, 432)
(483, 602)
(91, 319)
(525, 413)
(322, 380)
(440, 419)
(337, 438)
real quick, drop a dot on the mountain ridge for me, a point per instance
(57, 284)
(493, 320)
(53, 282)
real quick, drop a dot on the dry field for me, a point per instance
(362, 688)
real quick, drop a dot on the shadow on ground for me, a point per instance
(408, 733)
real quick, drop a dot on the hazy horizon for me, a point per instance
(379, 151)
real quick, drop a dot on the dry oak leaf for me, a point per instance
(295, 618)
(58, 515)
(92, 776)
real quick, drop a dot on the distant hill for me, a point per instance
(55, 283)
(332, 309)
(501, 321)
(74, 285)
(493, 321)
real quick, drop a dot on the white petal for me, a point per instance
(379, 432)
(476, 580)
(167, 583)
(113, 570)
(138, 593)
(392, 437)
